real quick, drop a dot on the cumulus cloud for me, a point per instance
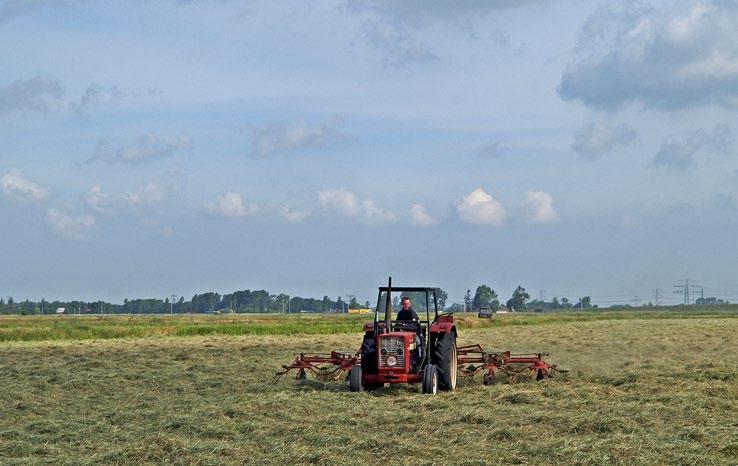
(480, 208)
(345, 203)
(16, 187)
(375, 214)
(538, 206)
(339, 201)
(394, 27)
(147, 147)
(38, 94)
(97, 200)
(295, 136)
(292, 216)
(680, 150)
(420, 217)
(231, 205)
(152, 192)
(669, 59)
(68, 225)
(597, 138)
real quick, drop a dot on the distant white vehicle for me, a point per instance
(61, 310)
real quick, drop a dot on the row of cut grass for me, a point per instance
(41, 328)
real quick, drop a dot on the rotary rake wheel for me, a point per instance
(474, 359)
(325, 367)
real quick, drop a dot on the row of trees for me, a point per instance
(519, 301)
(239, 301)
(263, 301)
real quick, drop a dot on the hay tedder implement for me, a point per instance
(415, 350)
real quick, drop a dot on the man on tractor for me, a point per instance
(407, 312)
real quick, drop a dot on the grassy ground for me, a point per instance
(643, 389)
(63, 327)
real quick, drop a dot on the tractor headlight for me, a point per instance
(391, 361)
(383, 351)
(399, 351)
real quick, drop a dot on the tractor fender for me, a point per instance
(443, 327)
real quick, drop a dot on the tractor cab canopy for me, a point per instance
(423, 301)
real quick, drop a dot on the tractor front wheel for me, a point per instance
(445, 358)
(430, 380)
(355, 382)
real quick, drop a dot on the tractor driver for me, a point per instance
(407, 312)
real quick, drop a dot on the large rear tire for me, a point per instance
(355, 378)
(369, 354)
(430, 380)
(445, 358)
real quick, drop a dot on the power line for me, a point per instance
(657, 296)
(683, 288)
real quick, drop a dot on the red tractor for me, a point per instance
(407, 351)
(414, 351)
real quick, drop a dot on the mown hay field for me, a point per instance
(654, 388)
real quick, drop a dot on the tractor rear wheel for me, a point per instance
(430, 380)
(445, 358)
(355, 384)
(369, 354)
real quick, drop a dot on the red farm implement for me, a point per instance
(411, 349)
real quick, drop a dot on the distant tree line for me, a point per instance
(239, 301)
(486, 297)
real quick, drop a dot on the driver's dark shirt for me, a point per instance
(407, 315)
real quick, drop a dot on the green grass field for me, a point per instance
(658, 387)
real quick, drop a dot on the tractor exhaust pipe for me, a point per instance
(388, 307)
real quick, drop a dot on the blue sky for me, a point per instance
(162, 146)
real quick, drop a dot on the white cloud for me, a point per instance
(668, 59)
(76, 227)
(18, 188)
(147, 147)
(597, 138)
(420, 217)
(400, 29)
(232, 205)
(680, 150)
(97, 200)
(151, 146)
(345, 203)
(340, 201)
(539, 207)
(150, 193)
(38, 94)
(374, 214)
(480, 208)
(294, 137)
(291, 215)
